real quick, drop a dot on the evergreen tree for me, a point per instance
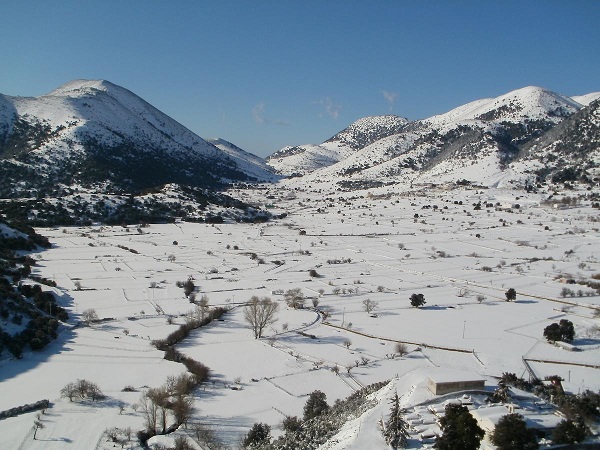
(460, 430)
(292, 424)
(562, 331)
(417, 300)
(569, 432)
(396, 428)
(512, 433)
(315, 405)
(567, 330)
(259, 434)
(552, 332)
(511, 295)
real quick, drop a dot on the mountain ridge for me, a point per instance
(444, 146)
(95, 137)
(116, 131)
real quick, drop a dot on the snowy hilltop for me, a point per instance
(91, 141)
(483, 142)
(93, 133)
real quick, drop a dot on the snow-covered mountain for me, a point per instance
(478, 142)
(303, 159)
(587, 98)
(95, 133)
(571, 150)
(252, 165)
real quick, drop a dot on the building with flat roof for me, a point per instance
(446, 381)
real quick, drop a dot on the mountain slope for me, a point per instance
(587, 98)
(250, 164)
(571, 150)
(95, 133)
(304, 159)
(476, 141)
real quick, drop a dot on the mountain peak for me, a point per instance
(95, 132)
(586, 99)
(538, 96)
(75, 87)
(368, 129)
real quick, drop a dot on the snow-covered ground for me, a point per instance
(382, 245)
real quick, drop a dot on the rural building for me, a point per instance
(446, 381)
(543, 420)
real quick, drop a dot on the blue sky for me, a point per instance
(264, 74)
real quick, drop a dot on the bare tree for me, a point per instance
(202, 308)
(85, 388)
(94, 392)
(182, 409)
(260, 313)
(89, 316)
(37, 423)
(180, 385)
(205, 436)
(69, 391)
(294, 298)
(150, 411)
(160, 397)
(82, 387)
(401, 348)
(369, 305)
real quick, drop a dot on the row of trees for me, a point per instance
(259, 313)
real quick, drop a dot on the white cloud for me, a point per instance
(389, 97)
(331, 108)
(258, 112)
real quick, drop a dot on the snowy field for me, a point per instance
(380, 245)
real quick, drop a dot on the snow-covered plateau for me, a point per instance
(463, 249)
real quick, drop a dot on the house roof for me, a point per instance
(453, 376)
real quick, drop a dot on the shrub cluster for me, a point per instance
(12, 412)
(128, 249)
(184, 330)
(339, 261)
(45, 301)
(37, 318)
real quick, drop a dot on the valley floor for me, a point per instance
(379, 245)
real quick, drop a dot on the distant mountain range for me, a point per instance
(93, 151)
(521, 138)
